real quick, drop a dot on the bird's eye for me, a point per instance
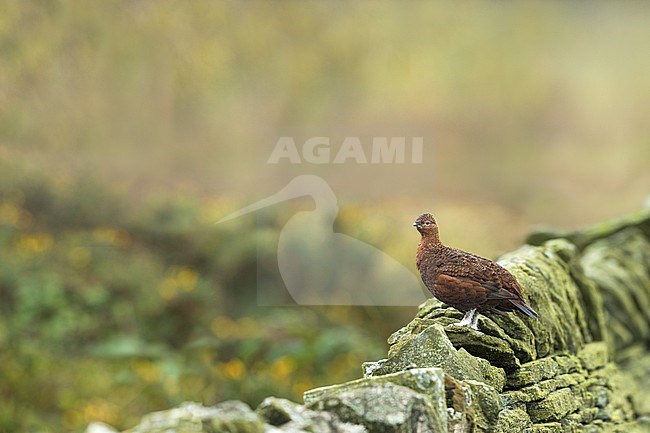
(427, 223)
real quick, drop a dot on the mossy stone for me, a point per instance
(495, 350)
(548, 427)
(432, 348)
(545, 274)
(485, 405)
(385, 408)
(291, 417)
(226, 417)
(594, 355)
(541, 390)
(554, 406)
(512, 420)
(619, 265)
(533, 372)
(427, 381)
(585, 237)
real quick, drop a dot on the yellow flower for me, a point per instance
(13, 215)
(180, 279)
(35, 242)
(146, 370)
(282, 368)
(98, 409)
(186, 278)
(234, 369)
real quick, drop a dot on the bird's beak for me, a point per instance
(417, 226)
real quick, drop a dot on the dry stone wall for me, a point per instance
(584, 366)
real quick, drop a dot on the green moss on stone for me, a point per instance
(427, 381)
(533, 372)
(485, 405)
(545, 274)
(548, 427)
(541, 390)
(432, 348)
(636, 377)
(512, 420)
(226, 417)
(497, 351)
(408, 332)
(554, 406)
(235, 417)
(293, 417)
(582, 238)
(385, 408)
(594, 355)
(619, 265)
(593, 302)
(568, 363)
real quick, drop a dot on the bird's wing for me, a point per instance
(499, 293)
(460, 291)
(496, 280)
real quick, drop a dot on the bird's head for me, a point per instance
(426, 225)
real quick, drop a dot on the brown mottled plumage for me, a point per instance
(465, 281)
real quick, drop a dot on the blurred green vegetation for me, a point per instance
(107, 313)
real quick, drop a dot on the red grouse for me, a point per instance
(465, 281)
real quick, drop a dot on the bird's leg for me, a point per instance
(474, 323)
(468, 318)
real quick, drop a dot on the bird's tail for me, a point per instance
(524, 308)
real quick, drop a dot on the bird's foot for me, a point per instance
(462, 325)
(470, 320)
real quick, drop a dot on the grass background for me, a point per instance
(127, 128)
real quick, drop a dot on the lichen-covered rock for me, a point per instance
(512, 420)
(99, 427)
(635, 371)
(533, 372)
(385, 408)
(496, 350)
(226, 417)
(428, 381)
(594, 355)
(466, 405)
(585, 237)
(541, 390)
(485, 405)
(432, 348)
(554, 406)
(545, 274)
(619, 265)
(288, 417)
